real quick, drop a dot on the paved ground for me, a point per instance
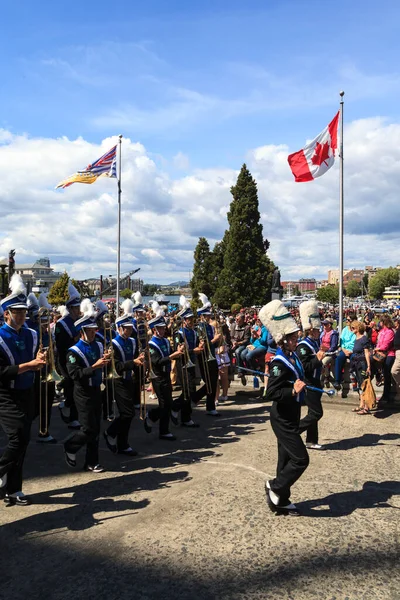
(190, 520)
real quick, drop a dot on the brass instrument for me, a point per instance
(110, 373)
(184, 379)
(143, 338)
(202, 333)
(50, 373)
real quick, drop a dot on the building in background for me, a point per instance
(299, 287)
(38, 277)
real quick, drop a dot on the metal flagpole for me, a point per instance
(119, 229)
(341, 213)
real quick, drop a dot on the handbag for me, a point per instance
(379, 355)
(368, 395)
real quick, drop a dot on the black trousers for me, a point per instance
(119, 428)
(182, 403)
(43, 404)
(309, 423)
(212, 368)
(16, 415)
(293, 457)
(163, 389)
(89, 407)
(68, 386)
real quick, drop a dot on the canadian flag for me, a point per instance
(318, 156)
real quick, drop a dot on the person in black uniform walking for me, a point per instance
(65, 336)
(208, 367)
(161, 355)
(187, 335)
(85, 362)
(127, 361)
(311, 358)
(19, 359)
(286, 390)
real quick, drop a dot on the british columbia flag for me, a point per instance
(105, 166)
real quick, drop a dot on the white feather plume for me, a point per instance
(101, 307)
(127, 307)
(278, 328)
(16, 285)
(157, 309)
(184, 302)
(87, 308)
(62, 310)
(137, 298)
(43, 302)
(205, 301)
(72, 291)
(32, 302)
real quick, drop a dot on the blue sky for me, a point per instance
(210, 79)
(198, 84)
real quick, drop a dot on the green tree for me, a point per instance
(383, 278)
(353, 289)
(217, 263)
(59, 291)
(202, 271)
(149, 289)
(126, 293)
(328, 293)
(246, 276)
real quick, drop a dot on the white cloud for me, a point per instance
(162, 217)
(151, 253)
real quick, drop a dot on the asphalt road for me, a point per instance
(189, 520)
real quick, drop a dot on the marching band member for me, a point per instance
(44, 390)
(140, 328)
(127, 361)
(161, 357)
(285, 389)
(187, 336)
(66, 335)
(311, 358)
(208, 368)
(19, 359)
(85, 362)
(32, 315)
(104, 335)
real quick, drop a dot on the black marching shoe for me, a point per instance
(19, 499)
(128, 452)
(70, 459)
(45, 438)
(170, 437)
(94, 468)
(278, 507)
(190, 423)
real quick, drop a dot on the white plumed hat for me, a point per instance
(278, 320)
(309, 315)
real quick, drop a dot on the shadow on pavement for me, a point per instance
(372, 495)
(367, 439)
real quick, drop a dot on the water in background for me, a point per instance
(171, 299)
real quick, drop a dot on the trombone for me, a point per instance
(143, 338)
(50, 373)
(184, 377)
(202, 332)
(110, 374)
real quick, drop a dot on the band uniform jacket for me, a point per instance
(125, 351)
(80, 359)
(280, 391)
(306, 351)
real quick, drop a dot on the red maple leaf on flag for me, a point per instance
(321, 154)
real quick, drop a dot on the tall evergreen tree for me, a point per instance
(202, 268)
(246, 276)
(59, 291)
